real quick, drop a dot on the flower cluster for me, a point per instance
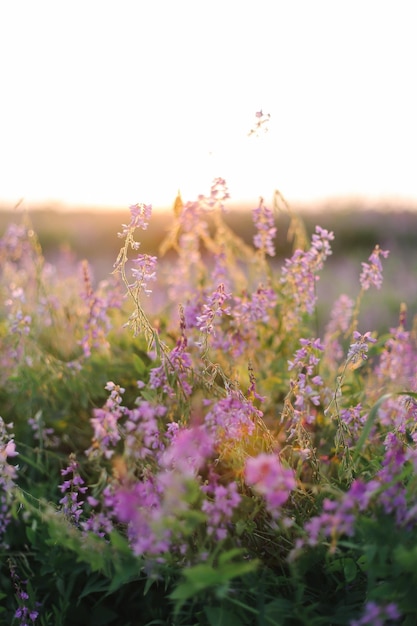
(299, 274)
(359, 349)
(371, 275)
(267, 475)
(25, 613)
(377, 615)
(72, 488)
(307, 386)
(144, 272)
(140, 215)
(263, 218)
(232, 418)
(221, 502)
(105, 423)
(214, 307)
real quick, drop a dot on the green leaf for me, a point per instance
(218, 616)
(120, 543)
(139, 365)
(368, 426)
(94, 585)
(350, 570)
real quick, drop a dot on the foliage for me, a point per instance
(212, 461)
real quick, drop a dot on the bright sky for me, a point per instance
(112, 103)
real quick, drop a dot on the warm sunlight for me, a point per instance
(106, 105)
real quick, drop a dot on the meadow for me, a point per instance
(210, 421)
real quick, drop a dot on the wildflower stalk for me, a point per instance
(138, 319)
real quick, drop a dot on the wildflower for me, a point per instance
(72, 488)
(24, 613)
(105, 423)
(271, 479)
(354, 420)
(219, 191)
(299, 274)
(377, 615)
(256, 307)
(359, 349)
(232, 417)
(178, 363)
(263, 219)
(219, 506)
(212, 309)
(139, 506)
(141, 430)
(306, 387)
(392, 497)
(188, 451)
(371, 275)
(140, 216)
(144, 272)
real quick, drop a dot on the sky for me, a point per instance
(107, 103)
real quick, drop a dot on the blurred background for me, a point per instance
(107, 104)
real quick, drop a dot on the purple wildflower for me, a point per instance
(219, 505)
(255, 308)
(105, 423)
(307, 386)
(188, 451)
(359, 349)
(25, 613)
(263, 219)
(214, 308)
(371, 275)
(336, 520)
(139, 506)
(266, 474)
(354, 421)
(72, 488)
(219, 191)
(392, 497)
(299, 275)
(144, 272)
(140, 216)
(232, 418)
(141, 430)
(377, 615)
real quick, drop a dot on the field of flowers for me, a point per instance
(184, 444)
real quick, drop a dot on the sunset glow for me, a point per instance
(107, 105)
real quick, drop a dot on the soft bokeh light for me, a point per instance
(108, 103)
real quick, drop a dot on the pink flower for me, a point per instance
(371, 274)
(188, 451)
(271, 479)
(140, 216)
(8, 450)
